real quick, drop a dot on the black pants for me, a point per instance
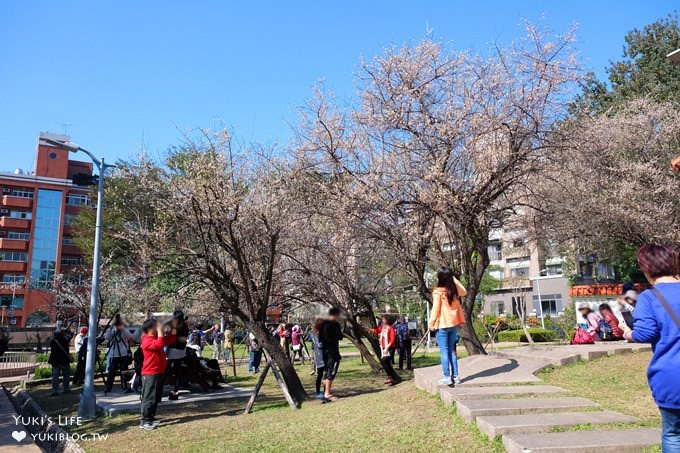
(389, 369)
(176, 370)
(319, 378)
(79, 376)
(405, 353)
(117, 365)
(152, 393)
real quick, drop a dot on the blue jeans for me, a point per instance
(670, 430)
(254, 363)
(447, 339)
(65, 371)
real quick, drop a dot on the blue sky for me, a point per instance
(123, 73)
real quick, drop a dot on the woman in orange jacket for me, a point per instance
(447, 315)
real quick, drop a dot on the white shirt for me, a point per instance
(79, 342)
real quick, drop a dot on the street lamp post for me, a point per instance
(88, 404)
(538, 291)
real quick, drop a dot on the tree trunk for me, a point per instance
(467, 330)
(278, 355)
(374, 363)
(523, 314)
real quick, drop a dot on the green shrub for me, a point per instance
(43, 372)
(537, 334)
(42, 358)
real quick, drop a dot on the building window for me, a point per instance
(519, 243)
(13, 278)
(498, 307)
(551, 304)
(496, 251)
(74, 199)
(68, 241)
(46, 238)
(76, 279)
(28, 215)
(18, 235)
(71, 260)
(498, 274)
(20, 257)
(605, 271)
(519, 272)
(554, 269)
(70, 219)
(12, 301)
(20, 192)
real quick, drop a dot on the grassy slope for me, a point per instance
(618, 383)
(369, 417)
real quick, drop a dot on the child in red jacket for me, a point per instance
(388, 342)
(154, 339)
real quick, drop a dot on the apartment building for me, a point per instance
(37, 210)
(529, 275)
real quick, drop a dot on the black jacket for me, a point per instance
(59, 354)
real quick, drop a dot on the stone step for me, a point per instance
(471, 409)
(498, 425)
(557, 356)
(450, 395)
(609, 441)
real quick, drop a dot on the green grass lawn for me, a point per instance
(368, 417)
(617, 383)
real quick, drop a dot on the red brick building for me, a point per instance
(37, 211)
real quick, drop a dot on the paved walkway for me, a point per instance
(13, 437)
(118, 402)
(502, 395)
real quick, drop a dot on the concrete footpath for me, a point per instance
(503, 396)
(13, 437)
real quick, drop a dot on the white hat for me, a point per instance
(631, 294)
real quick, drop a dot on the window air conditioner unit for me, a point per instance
(6, 190)
(4, 211)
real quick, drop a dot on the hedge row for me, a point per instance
(537, 334)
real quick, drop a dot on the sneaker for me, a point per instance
(155, 423)
(319, 396)
(147, 426)
(173, 397)
(456, 380)
(445, 381)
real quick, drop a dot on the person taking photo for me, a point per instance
(155, 337)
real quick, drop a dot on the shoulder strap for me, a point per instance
(668, 308)
(62, 348)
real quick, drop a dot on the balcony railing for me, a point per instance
(16, 202)
(10, 222)
(17, 363)
(13, 244)
(12, 266)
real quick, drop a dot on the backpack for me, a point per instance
(582, 337)
(403, 334)
(605, 330)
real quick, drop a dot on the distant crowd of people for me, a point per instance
(604, 325)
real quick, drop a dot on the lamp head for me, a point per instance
(72, 147)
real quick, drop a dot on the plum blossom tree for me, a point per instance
(610, 186)
(224, 216)
(444, 145)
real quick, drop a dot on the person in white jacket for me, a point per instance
(79, 339)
